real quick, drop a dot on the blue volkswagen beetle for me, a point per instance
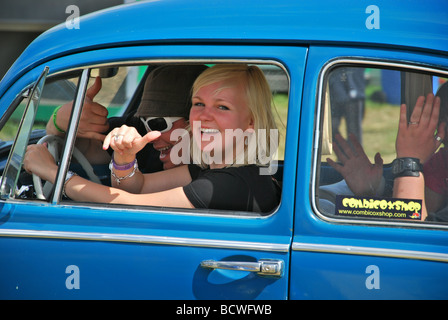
(331, 68)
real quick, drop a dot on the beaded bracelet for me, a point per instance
(54, 119)
(119, 179)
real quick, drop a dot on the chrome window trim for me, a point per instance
(136, 62)
(146, 239)
(67, 204)
(369, 251)
(70, 135)
(371, 62)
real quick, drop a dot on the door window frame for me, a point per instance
(316, 153)
(72, 127)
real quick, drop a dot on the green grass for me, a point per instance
(380, 130)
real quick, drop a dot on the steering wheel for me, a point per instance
(54, 143)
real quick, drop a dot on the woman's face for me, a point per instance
(219, 106)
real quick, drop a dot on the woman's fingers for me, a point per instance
(127, 140)
(119, 138)
(428, 107)
(414, 119)
(416, 138)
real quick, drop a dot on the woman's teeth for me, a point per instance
(204, 130)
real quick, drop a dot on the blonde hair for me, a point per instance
(258, 98)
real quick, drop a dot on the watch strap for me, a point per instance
(406, 167)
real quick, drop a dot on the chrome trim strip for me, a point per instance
(70, 136)
(367, 251)
(155, 61)
(370, 62)
(146, 239)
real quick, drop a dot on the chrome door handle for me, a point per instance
(264, 267)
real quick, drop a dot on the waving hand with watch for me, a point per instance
(416, 142)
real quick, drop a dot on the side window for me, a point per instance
(124, 92)
(153, 102)
(359, 123)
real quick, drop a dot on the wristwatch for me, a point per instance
(406, 167)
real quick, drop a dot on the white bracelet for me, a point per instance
(119, 179)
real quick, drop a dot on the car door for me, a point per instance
(62, 249)
(362, 253)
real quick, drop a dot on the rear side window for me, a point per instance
(360, 108)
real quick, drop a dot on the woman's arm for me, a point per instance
(416, 140)
(151, 182)
(411, 188)
(39, 161)
(80, 189)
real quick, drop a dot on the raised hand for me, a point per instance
(362, 177)
(417, 138)
(126, 142)
(93, 121)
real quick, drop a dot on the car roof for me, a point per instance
(421, 25)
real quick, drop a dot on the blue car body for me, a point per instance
(55, 250)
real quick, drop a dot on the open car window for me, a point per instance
(120, 93)
(363, 102)
(279, 85)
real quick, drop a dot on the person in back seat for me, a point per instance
(164, 107)
(416, 142)
(436, 168)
